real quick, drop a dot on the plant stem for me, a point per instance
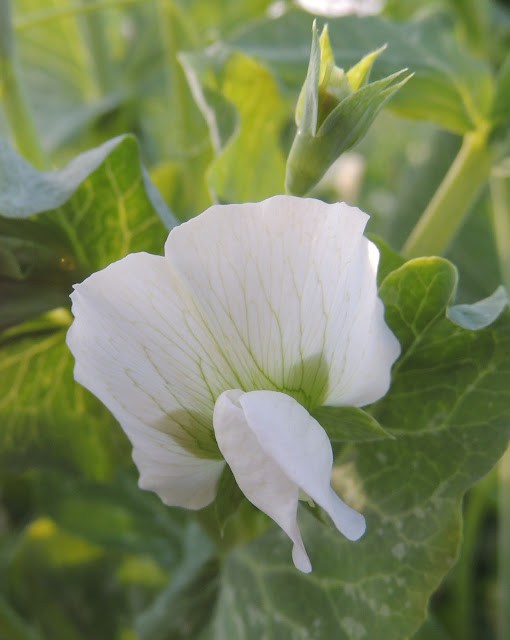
(104, 71)
(500, 195)
(464, 595)
(504, 547)
(446, 211)
(13, 96)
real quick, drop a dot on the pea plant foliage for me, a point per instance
(233, 405)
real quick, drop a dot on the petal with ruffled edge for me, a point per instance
(274, 448)
(142, 349)
(289, 289)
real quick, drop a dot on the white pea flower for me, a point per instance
(335, 8)
(216, 352)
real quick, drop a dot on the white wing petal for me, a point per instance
(142, 350)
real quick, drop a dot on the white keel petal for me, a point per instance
(258, 476)
(301, 448)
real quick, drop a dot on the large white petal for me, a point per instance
(259, 477)
(143, 351)
(274, 448)
(288, 286)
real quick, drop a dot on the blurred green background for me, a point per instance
(203, 84)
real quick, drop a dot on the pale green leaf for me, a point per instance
(251, 164)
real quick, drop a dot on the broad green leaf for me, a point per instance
(480, 314)
(46, 418)
(349, 424)
(252, 166)
(92, 212)
(415, 296)
(25, 191)
(57, 71)
(449, 87)
(449, 407)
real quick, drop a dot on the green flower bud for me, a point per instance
(334, 110)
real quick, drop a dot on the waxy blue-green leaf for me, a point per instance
(449, 87)
(449, 406)
(480, 314)
(95, 210)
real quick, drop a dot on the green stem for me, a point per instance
(446, 211)
(504, 547)
(464, 574)
(104, 71)
(14, 99)
(500, 196)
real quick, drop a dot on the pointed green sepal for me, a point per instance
(334, 111)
